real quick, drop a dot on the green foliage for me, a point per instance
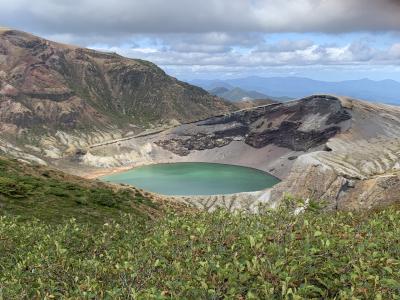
(62, 237)
(13, 188)
(52, 198)
(104, 197)
(219, 255)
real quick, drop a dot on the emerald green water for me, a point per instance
(195, 179)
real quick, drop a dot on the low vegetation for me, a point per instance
(198, 255)
(52, 196)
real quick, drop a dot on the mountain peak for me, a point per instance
(46, 84)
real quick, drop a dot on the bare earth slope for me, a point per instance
(362, 168)
(343, 151)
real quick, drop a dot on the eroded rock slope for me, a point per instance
(361, 170)
(47, 86)
(342, 151)
(57, 97)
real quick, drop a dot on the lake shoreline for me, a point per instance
(192, 178)
(96, 174)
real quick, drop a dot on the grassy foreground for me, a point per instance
(219, 255)
(31, 191)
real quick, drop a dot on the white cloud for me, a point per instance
(217, 35)
(286, 46)
(293, 53)
(394, 51)
(125, 17)
(145, 50)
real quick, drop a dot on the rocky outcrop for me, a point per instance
(360, 171)
(298, 126)
(197, 142)
(341, 151)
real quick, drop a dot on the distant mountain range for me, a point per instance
(236, 94)
(387, 91)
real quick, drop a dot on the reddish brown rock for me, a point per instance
(56, 86)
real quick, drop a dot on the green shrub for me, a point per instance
(104, 197)
(14, 188)
(219, 255)
(81, 200)
(28, 191)
(59, 192)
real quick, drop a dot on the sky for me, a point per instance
(329, 40)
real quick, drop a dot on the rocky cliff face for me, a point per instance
(362, 168)
(341, 151)
(298, 126)
(51, 86)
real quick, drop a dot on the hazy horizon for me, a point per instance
(283, 76)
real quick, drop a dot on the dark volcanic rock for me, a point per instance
(288, 136)
(338, 117)
(80, 152)
(196, 142)
(297, 125)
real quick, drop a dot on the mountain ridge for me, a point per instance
(236, 94)
(387, 90)
(51, 85)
